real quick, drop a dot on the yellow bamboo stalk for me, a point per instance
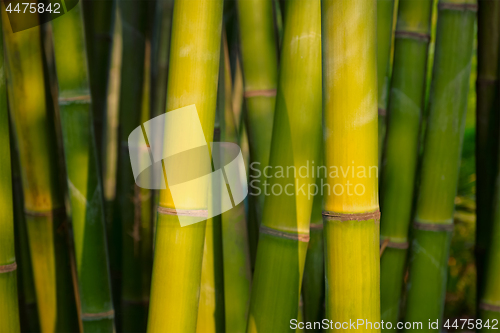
(351, 215)
(193, 76)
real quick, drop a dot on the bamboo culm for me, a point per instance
(83, 172)
(192, 80)
(259, 60)
(33, 120)
(487, 125)
(433, 223)
(406, 102)
(351, 222)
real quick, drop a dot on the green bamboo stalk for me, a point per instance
(114, 231)
(487, 122)
(28, 314)
(259, 60)
(82, 166)
(442, 152)
(43, 195)
(192, 79)
(134, 304)
(489, 299)
(406, 103)
(313, 285)
(9, 310)
(211, 309)
(236, 251)
(284, 230)
(160, 52)
(351, 228)
(145, 197)
(385, 22)
(99, 19)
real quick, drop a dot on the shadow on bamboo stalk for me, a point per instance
(99, 19)
(487, 128)
(28, 313)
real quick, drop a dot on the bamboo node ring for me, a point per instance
(448, 227)
(183, 212)
(8, 268)
(77, 99)
(97, 316)
(260, 93)
(58, 211)
(393, 245)
(316, 226)
(489, 307)
(413, 35)
(283, 234)
(351, 217)
(458, 6)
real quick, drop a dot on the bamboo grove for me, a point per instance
(250, 166)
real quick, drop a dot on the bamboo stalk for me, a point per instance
(487, 123)
(82, 166)
(385, 15)
(489, 299)
(192, 79)
(259, 60)
(128, 212)
(236, 251)
(9, 309)
(28, 314)
(43, 198)
(99, 19)
(114, 230)
(284, 232)
(211, 309)
(406, 103)
(351, 228)
(313, 285)
(442, 152)
(160, 52)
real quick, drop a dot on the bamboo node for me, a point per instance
(183, 212)
(375, 215)
(8, 268)
(394, 245)
(77, 99)
(382, 112)
(458, 6)
(58, 211)
(317, 226)
(260, 93)
(282, 234)
(448, 227)
(413, 35)
(489, 307)
(486, 81)
(98, 316)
